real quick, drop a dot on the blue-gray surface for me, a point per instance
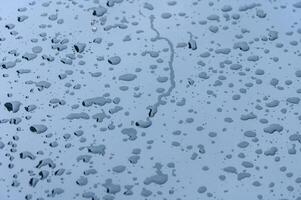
(150, 99)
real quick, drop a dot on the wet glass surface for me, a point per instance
(149, 99)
